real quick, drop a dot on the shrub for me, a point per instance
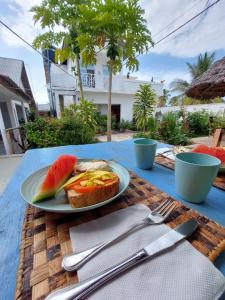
(142, 134)
(101, 121)
(85, 111)
(42, 133)
(216, 122)
(72, 131)
(127, 125)
(171, 131)
(198, 123)
(152, 128)
(77, 126)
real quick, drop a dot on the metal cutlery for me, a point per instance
(83, 289)
(157, 216)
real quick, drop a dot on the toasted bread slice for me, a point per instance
(99, 194)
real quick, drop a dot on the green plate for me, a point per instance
(59, 203)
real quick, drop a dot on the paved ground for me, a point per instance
(127, 135)
(117, 137)
(8, 165)
(205, 140)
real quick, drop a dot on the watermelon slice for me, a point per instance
(217, 152)
(57, 175)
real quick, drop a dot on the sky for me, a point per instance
(165, 61)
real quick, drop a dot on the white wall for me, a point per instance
(120, 83)
(217, 108)
(125, 101)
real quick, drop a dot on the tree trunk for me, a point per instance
(79, 76)
(144, 120)
(109, 117)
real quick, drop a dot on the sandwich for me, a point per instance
(91, 187)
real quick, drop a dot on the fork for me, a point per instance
(76, 260)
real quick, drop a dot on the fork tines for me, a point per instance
(165, 208)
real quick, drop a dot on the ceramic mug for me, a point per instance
(194, 175)
(145, 150)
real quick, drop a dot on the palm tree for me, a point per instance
(144, 106)
(180, 86)
(174, 101)
(203, 63)
(164, 98)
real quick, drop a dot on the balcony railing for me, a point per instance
(88, 80)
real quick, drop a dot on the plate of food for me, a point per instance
(72, 185)
(218, 152)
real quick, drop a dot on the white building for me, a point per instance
(64, 91)
(15, 99)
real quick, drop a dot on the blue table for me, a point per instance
(12, 206)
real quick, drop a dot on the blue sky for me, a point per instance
(166, 61)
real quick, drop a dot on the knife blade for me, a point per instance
(167, 241)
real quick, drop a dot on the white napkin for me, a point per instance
(182, 273)
(165, 153)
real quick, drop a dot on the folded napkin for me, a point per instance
(165, 153)
(181, 273)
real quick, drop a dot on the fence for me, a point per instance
(15, 141)
(214, 108)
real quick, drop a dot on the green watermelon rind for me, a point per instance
(41, 195)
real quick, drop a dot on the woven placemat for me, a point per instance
(45, 238)
(219, 182)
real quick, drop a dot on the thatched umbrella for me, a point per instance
(210, 84)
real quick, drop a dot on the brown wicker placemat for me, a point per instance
(219, 182)
(45, 238)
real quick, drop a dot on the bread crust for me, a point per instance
(99, 194)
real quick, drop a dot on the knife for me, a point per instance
(84, 288)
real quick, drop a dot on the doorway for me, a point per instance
(116, 112)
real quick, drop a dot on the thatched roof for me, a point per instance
(210, 84)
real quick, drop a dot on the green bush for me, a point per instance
(127, 125)
(142, 134)
(101, 121)
(170, 131)
(42, 133)
(124, 125)
(77, 126)
(152, 128)
(74, 132)
(198, 123)
(216, 122)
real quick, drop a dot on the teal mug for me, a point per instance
(194, 175)
(145, 150)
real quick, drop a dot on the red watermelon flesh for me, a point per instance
(214, 151)
(56, 176)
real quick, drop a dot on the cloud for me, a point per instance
(202, 34)
(19, 18)
(160, 75)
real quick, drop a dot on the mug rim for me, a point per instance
(136, 142)
(217, 161)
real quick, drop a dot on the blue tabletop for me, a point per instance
(12, 206)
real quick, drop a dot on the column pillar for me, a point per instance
(24, 112)
(8, 149)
